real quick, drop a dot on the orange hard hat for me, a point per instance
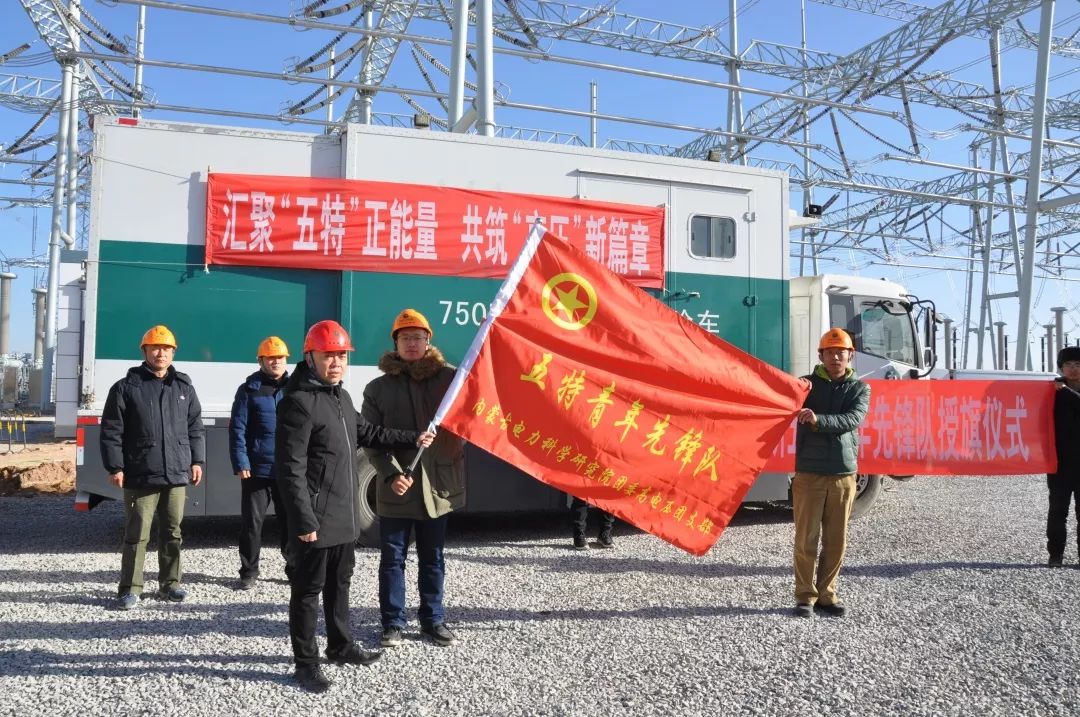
(836, 339)
(327, 336)
(158, 336)
(410, 319)
(272, 346)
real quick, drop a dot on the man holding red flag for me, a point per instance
(564, 381)
(826, 461)
(415, 378)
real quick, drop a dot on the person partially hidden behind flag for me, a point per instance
(579, 519)
(415, 378)
(826, 461)
(1064, 485)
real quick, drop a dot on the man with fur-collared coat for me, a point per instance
(416, 376)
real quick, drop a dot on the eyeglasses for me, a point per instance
(1071, 364)
(418, 339)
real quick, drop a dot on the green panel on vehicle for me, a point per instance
(750, 315)
(217, 316)
(222, 315)
(772, 320)
(455, 307)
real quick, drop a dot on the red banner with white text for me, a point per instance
(345, 224)
(951, 428)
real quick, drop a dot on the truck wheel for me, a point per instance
(867, 489)
(366, 517)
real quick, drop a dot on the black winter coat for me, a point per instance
(318, 435)
(1067, 432)
(152, 429)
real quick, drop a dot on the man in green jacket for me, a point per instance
(415, 378)
(826, 461)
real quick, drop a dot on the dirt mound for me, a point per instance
(57, 477)
(45, 467)
(35, 454)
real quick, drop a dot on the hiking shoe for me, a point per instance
(604, 539)
(833, 610)
(579, 542)
(1054, 563)
(391, 637)
(312, 678)
(172, 594)
(440, 634)
(354, 656)
(127, 601)
(247, 583)
(802, 609)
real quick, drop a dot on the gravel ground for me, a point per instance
(950, 612)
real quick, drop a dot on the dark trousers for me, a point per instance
(313, 571)
(430, 539)
(579, 517)
(1063, 489)
(256, 495)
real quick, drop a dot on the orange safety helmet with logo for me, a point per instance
(836, 339)
(272, 346)
(158, 336)
(410, 319)
(327, 336)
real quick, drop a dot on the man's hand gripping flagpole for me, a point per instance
(536, 233)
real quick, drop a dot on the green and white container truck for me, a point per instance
(726, 267)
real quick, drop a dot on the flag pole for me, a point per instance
(509, 286)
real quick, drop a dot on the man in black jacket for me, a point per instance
(152, 445)
(318, 435)
(1065, 484)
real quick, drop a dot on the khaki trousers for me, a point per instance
(140, 507)
(822, 505)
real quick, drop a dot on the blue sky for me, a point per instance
(219, 41)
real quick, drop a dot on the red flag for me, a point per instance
(597, 389)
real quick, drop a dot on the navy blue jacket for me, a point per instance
(253, 423)
(152, 429)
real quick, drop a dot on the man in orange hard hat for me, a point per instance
(153, 445)
(315, 462)
(415, 378)
(251, 449)
(826, 461)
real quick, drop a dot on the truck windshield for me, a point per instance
(879, 327)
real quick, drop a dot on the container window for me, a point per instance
(712, 237)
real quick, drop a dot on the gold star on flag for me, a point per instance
(568, 302)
